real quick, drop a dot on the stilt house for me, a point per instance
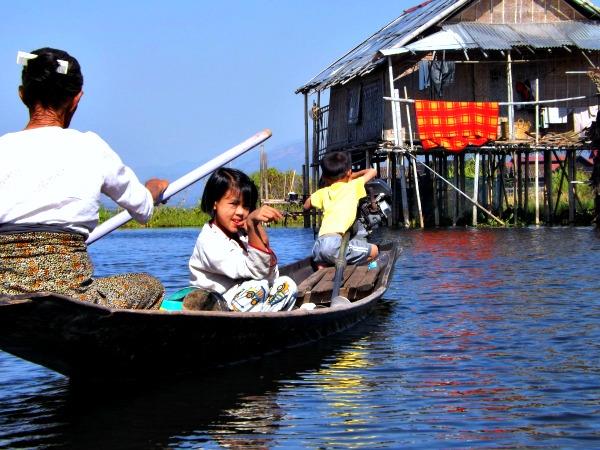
(535, 60)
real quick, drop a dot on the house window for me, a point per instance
(354, 105)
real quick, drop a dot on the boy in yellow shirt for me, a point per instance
(339, 202)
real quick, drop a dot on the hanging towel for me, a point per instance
(557, 114)
(454, 125)
(583, 117)
(423, 74)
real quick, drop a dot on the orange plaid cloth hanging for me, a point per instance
(454, 125)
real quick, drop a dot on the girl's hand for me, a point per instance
(264, 214)
(257, 235)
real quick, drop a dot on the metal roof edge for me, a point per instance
(307, 87)
(300, 89)
(588, 6)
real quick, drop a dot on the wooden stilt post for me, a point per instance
(519, 184)
(394, 184)
(537, 153)
(455, 206)
(515, 188)
(402, 174)
(476, 188)
(493, 167)
(436, 212)
(444, 190)
(317, 127)
(391, 166)
(462, 180)
(484, 180)
(305, 171)
(571, 191)
(501, 184)
(526, 187)
(549, 216)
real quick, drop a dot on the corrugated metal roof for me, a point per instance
(394, 37)
(400, 31)
(472, 35)
(535, 35)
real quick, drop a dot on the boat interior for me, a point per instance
(358, 281)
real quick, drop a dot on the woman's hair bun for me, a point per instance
(43, 84)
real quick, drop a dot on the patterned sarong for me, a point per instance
(454, 125)
(59, 263)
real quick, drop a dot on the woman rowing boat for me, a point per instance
(51, 178)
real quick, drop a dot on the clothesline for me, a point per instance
(538, 102)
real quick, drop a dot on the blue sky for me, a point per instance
(171, 84)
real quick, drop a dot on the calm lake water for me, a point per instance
(485, 338)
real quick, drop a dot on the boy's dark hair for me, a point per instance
(42, 84)
(224, 179)
(334, 165)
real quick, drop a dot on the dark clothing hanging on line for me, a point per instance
(437, 74)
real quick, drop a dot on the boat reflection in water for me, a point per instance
(234, 407)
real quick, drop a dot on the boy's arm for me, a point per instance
(307, 204)
(367, 174)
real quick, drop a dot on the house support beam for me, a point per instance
(306, 168)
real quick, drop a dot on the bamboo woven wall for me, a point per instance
(348, 126)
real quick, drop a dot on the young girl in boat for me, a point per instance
(232, 255)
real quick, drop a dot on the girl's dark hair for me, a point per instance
(223, 180)
(42, 84)
(334, 165)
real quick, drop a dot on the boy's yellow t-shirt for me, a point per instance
(339, 202)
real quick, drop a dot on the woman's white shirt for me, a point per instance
(54, 176)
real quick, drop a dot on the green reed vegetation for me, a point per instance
(164, 217)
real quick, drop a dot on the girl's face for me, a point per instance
(230, 214)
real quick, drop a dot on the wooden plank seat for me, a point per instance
(357, 282)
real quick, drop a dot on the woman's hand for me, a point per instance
(156, 187)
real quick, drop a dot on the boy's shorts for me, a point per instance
(327, 247)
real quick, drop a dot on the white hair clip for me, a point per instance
(63, 66)
(23, 57)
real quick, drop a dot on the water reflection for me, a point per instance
(235, 407)
(485, 338)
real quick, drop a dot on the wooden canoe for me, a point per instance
(91, 342)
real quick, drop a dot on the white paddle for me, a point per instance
(181, 183)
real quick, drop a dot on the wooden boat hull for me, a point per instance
(92, 342)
